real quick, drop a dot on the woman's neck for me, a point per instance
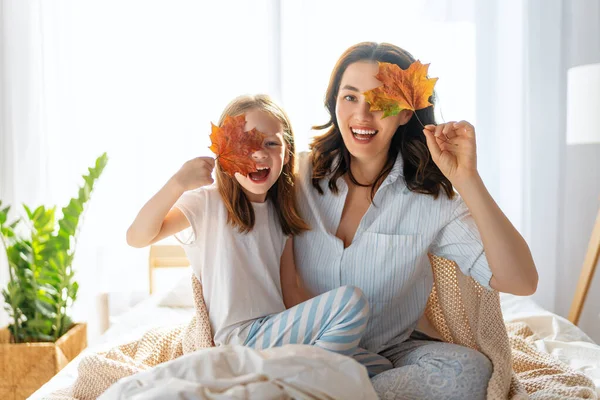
(365, 172)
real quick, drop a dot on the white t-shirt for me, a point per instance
(240, 272)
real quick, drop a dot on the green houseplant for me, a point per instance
(41, 287)
(42, 338)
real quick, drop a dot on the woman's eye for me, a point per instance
(349, 97)
(272, 144)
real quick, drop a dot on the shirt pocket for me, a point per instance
(395, 263)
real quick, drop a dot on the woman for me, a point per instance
(379, 196)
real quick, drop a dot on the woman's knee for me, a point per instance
(458, 369)
(437, 370)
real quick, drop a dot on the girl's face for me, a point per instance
(269, 160)
(366, 136)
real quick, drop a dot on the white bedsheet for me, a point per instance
(556, 336)
(238, 372)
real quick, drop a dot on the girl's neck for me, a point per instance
(255, 198)
(365, 172)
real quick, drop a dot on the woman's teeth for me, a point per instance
(364, 134)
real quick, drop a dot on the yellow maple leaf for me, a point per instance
(408, 89)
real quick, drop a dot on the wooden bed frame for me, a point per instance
(165, 256)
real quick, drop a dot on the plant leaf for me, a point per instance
(4, 214)
(408, 89)
(41, 288)
(234, 147)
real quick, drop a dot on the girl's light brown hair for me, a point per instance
(420, 172)
(282, 194)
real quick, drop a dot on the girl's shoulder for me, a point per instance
(209, 190)
(203, 195)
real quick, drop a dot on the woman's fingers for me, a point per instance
(432, 143)
(457, 145)
(452, 129)
(463, 128)
(439, 130)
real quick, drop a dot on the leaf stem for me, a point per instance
(446, 140)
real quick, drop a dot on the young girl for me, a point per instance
(242, 249)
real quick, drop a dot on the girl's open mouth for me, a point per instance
(260, 176)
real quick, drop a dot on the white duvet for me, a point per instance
(237, 372)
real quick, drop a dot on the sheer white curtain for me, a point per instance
(23, 159)
(520, 112)
(315, 33)
(138, 79)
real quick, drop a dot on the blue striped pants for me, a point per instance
(334, 321)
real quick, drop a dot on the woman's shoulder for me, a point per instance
(304, 160)
(449, 208)
(439, 206)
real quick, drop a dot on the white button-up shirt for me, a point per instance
(387, 258)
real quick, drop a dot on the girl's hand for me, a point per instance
(195, 173)
(453, 149)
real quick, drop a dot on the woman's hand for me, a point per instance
(195, 173)
(453, 149)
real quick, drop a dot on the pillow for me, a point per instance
(179, 295)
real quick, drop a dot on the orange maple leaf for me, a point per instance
(234, 147)
(408, 89)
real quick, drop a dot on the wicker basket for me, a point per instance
(25, 367)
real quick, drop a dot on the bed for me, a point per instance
(555, 335)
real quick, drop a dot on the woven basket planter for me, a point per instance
(25, 367)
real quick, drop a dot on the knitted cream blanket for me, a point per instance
(459, 309)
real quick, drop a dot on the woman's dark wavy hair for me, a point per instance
(420, 172)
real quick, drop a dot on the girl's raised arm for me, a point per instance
(158, 219)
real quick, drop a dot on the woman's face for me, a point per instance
(365, 134)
